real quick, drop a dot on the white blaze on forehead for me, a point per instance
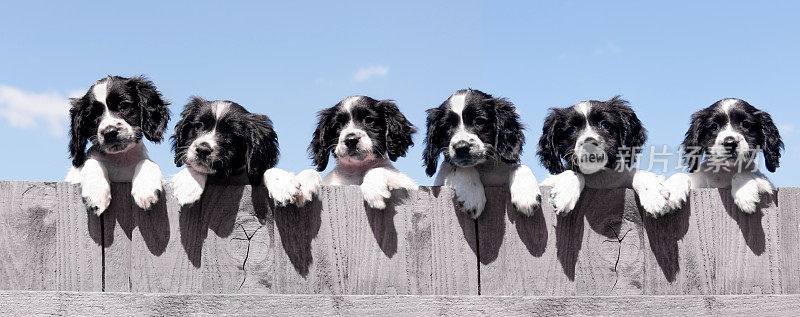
(583, 107)
(726, 104)
(219, 109)
(348, 102)
(100, 92)
(458, 102)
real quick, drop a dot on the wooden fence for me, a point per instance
(234, 242)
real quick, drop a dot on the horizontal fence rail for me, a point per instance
(235, 241)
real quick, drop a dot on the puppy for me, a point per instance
(223, 141)
(481, 139)
(364, 135)
(730, 134)
(594, 144)
(113, 115)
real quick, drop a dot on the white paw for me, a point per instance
(473, 199)
(566, 191)
(655, 199)
(147, 185)
(525, 193)
(282, 186)
(96, 194)
(310, 183)
(678, 186)
(745, 192)
(186, 187)
(375, 194)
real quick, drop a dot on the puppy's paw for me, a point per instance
(186, 189)
(147, 185)
(566, 191)
(678, 186)
(472, 198)
(745, 193)
(525, 193)
(310, 183)
(376, 194)
(655, 199)
(283, 187)
(96, 194)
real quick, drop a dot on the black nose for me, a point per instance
(351, 141)
(203, 149)
(110, 134)
(462, 149)
(592, 141)
(730, 144)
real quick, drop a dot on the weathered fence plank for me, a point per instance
(789, 236)
(47, 239)
(127, 304)
(593, 250)
(233, 241)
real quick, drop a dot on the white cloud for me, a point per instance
(786, 128)
(366, 73)
(30, 110)
(609, 48)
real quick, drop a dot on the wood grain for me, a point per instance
(593, 250)
(127, 304)
(789, 236)
(712, 247)
(48, 241)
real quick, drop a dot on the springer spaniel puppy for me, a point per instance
(113, 115)
(481, 139)
(364, 135)
(594, 144)
(221, 140)
(730, 134)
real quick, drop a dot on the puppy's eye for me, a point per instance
(746, 125)
(369, 120)
(480, 121)
(605, 125)
(198, 125)
(714, 126)
(571, 130)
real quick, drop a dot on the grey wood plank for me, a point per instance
(789, 238)
(128, 304)
(711, 247)
(47, 238)
(593, 250)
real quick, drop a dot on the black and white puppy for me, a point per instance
(594, 144)
(220, 139)
(113, 115)
(481, 138)
(364, 135)
(730, 134)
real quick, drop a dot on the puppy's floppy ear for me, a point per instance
(262, 148)
(692, 148)
(772, 141)
(155, 113)
(78, 131)
(399, 130)
(633, 134)
(183, 128)
(433, 139)
(510, 136)
(547, 149)
(321, 143)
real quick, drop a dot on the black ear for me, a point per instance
(772, 141)
(692, 149)
(180, 137)
(510, 137)
(547, 149)
(633, 133)
(321, 144)
(433, 140)
(399, 130)
(155, 113)
(262, 148)
(79, 132)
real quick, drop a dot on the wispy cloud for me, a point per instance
(786, 128)
(609, 48)
(367, 73)
(31, 110)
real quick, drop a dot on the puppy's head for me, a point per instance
(470, 128)
(222, 138)
(114, 114)
(360, 130)
(732, 131)
(589, 136)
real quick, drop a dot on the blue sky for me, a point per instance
(289, 60)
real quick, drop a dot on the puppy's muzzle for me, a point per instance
(203, 150)
(351, 142)
(730, 144)
(110, 134)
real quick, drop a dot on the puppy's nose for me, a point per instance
(203, 149)
(592, 141)
(351, 141)
(730, 144)
(462, 149)
(110, 133)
